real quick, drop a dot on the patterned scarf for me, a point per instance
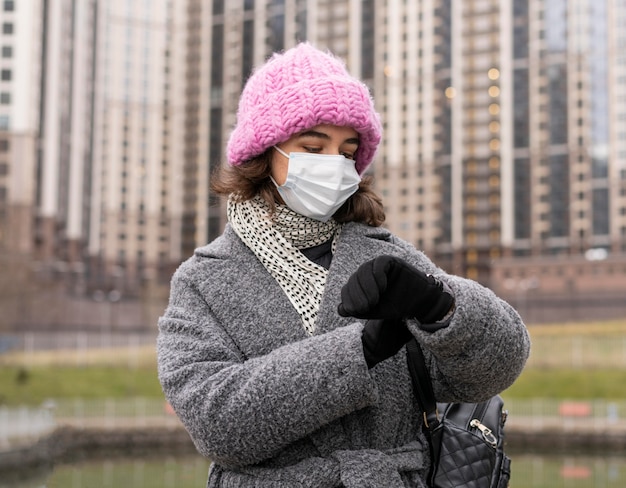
(276, 240)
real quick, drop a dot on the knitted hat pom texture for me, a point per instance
(295, 91)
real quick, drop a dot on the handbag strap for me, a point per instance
(422, 385)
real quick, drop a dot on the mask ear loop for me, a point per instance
(274, 181)
(284, 154)
(281, 151)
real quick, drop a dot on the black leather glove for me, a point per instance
(390, 288)
(382, 339)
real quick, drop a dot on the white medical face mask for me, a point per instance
(318, 184)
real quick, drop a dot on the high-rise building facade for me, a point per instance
(504, 138)
(91, 113)
(45, 124)
(91, 124)
(20, 77)
(503, 121)
(514, 127)
(508, 106)
(135, 211)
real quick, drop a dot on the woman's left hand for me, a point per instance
(388, 287)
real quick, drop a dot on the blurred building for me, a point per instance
(504, 129)
(20, 123)
(503, 157)
(89, 124)
(136, 152)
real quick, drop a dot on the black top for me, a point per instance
(320, 254)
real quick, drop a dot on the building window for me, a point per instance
(5, 75)
(218, 7)
(600, 210)
(7, 28)
(7, 51)
(5, 98)
(4, 122)
(4, 145)
(9, 5)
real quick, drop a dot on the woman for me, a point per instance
(281, 349)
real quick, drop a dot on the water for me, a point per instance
(148, 472)
(529, 471)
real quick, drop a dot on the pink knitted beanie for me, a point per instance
(294, 91)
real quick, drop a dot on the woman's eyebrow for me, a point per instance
(322, 135)
(314, 133)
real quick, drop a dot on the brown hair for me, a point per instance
(252, 178)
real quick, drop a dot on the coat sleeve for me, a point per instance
(241, 411)
(483, 349)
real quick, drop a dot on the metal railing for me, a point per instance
(78, 348)
(26, 425)
(566, 415)
(112, 413)
(578, 352)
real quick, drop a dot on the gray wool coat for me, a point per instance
(274, 407)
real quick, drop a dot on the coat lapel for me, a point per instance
(261, 302)
(254, 310)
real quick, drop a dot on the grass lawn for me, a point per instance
(20, 386)
(570, 384)
(30, 378)
(31, 386)
(574, 361)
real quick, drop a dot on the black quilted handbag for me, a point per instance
(466, 439)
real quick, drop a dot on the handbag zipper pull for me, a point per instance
(486, 431)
